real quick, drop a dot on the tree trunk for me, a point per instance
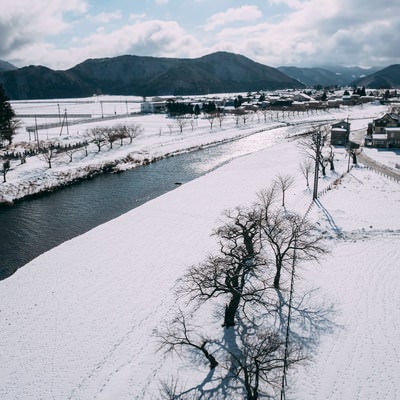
(323, 170)
(230, 310)
(277, 277)
(213, 362)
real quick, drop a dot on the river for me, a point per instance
(36, 225)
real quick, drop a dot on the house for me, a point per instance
(393, 136)
(340, 132)
(384, 131)
(153, 107)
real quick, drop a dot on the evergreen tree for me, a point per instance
(7, 115)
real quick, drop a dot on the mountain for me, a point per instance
(330, 75)
(6, 66)
(386, 78)
(146, 76)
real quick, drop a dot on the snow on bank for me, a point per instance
(77, 322)
(359, 359)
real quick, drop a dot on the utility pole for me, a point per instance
(286, 356)
(36, 132)
(317, 157)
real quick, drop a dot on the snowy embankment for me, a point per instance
(160, 138)
(78, 321)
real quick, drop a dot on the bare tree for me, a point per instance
(5, 167)
(70, 152)
(111, 135)
(179, 334)
(121, 132)
(313, 146)
(330, 157)
(284, 182)
(181, 121)
(261, 361)
(96, 136)
(171, 128)
(192, 122)
(289, 237)
(48, 154)
(210, 117)
(85, 145)
(233, 273)
(133, 131)
(306, 168)
(220, 117)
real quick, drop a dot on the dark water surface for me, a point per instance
(36, 225)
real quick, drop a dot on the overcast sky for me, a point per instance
(62, 33)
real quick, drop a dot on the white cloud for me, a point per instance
(289, 3)
(22, 25)
(152, 38)
(320, 31)
(133, 17)
(104, 18)
(310, 32)
(245, 13)
(159, 2)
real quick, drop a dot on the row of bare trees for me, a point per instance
(245, 283)
(238, 115)
(102, 136)
(98, 136)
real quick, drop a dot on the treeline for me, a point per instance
(175, 108)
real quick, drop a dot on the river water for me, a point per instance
(36, 225)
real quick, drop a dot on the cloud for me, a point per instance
(307, 32)
(150, 38)
(348, 32)
(154, 37)
(242, 14)
(104, 18)
(22, 25)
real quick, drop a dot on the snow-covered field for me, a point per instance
(78, 321)
(160, 137)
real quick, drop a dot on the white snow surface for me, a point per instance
(78, 321)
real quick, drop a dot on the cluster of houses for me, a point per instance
(275, 100)
(286, 99)
(384, 131)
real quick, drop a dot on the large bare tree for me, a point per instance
(289, 236)
(234, 272)
(260, 362)
(313, 146)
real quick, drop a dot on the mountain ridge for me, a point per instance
(217, 72)
(146, 76)
(387, 78)
(327, 75)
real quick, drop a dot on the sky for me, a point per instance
(60, 34)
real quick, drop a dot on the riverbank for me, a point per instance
(154, 143)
